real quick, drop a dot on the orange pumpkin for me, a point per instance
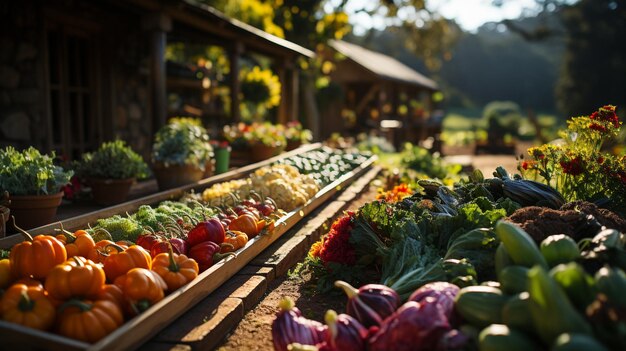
(236, 239)
(142, 288)
(36, 256)
(28, 306)
(78, 277)
(176, 270)
(81, 246)
(246, 223)
(121, 260)
(111, 292)
(100, 251)
(89, 321)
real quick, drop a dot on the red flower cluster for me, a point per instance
(71, 190)
(606, 113)
(336, 246)
(598, 127)
(573, 166)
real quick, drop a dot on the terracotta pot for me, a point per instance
(173, 176)
(262, 152)
(293, 144)
(109, 191)
(4, 219)
(32, 211)
(209, 168)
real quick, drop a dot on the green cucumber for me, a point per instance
(516, 313)
(480, 305)
(502, 259)
(499, 337)
(577, 342)
(514, 279)
(552, 312)
(612, 282)
(519, 245)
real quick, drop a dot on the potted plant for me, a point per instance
(111, 170)
(34, 183)
(296, 135)
(181, 153)
(265, 141)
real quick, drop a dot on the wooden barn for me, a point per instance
(378, 93)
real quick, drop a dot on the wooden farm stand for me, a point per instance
(142, 328)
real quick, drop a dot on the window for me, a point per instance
(75, 125)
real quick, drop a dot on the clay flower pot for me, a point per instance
(172, 176)
(260, 152)
(110, 191)
(32, 211)
(293, 144)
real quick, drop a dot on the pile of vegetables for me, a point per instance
(85, 284)
(82, 289)
(376, 320)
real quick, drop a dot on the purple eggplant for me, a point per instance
(415, 326)
(344, 332)
(290, 327)
(443, 292)
(371, 303)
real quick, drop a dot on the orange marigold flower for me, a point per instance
(315, 249)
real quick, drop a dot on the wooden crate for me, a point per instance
(143, 327)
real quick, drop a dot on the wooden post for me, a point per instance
(295, 93)
(234, 54)
(283, 108)
(158, 24)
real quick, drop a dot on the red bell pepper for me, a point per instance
(207, 230)
(179, 246)
(147, 240)
(207, 253)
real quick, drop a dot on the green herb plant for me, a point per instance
(113, 160)
(182, 141)
(29, 172)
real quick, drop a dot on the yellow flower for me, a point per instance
(315, 249)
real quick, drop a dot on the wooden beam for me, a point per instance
(283, 107)
(158, 25)
(295, 93)
(234, 54)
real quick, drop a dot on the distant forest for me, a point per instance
(491, 64)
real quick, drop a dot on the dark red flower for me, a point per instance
(573, 166)
(336, 245)
(606, 113)
(598, 127)
(600, 160)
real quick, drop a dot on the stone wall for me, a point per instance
(21, 77)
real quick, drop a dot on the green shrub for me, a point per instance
(30, 173)
(182, 141)
(421, 160)
(113, 160)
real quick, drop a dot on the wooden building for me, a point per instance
(378, 93)
(76, 73)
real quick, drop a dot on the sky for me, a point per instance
(469, 14)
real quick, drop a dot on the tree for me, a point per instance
(594, 66)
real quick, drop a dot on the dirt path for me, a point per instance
(254, 331)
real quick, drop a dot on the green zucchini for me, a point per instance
(577, 342)
(519, 245)
(514, 279)
(516, 313)
(480, 305)
(499, 337)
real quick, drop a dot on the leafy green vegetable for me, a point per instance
(120, 228)
(30, 173)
